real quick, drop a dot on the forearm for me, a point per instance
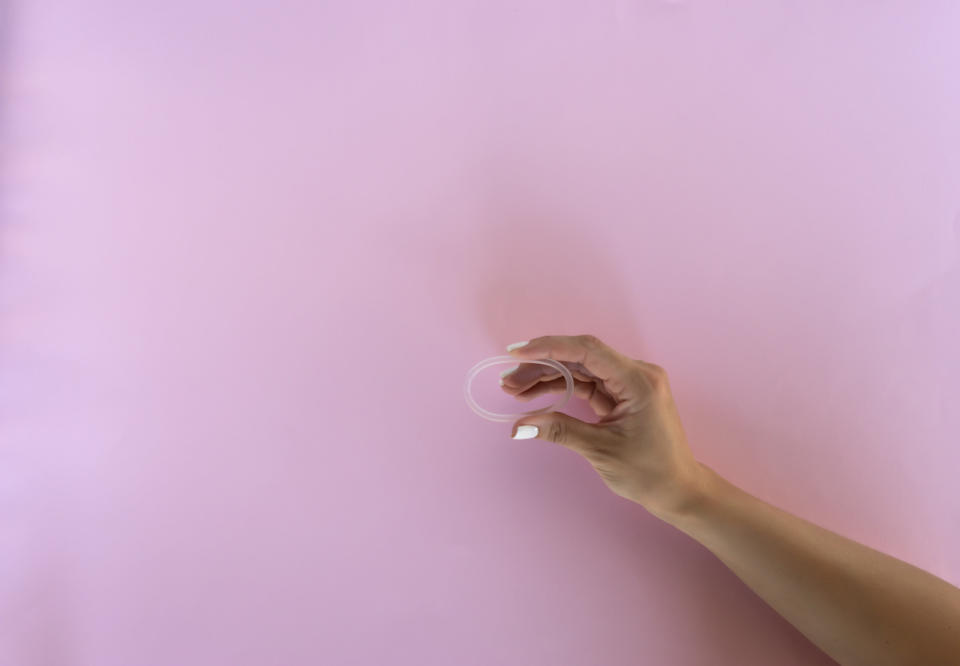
(857, 604)
(860, 606)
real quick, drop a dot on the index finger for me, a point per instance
(605, 363)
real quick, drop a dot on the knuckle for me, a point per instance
(557, 432)
(657, 370)
(589, 341)
(657, 376)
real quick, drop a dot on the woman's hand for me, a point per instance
(859, 605)
(637, 446)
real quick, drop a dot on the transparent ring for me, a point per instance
(498, 360)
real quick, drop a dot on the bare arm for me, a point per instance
(857, 604)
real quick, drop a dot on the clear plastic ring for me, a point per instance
(498, 360)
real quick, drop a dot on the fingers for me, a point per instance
(606, 364)
(601, 403)
(561, 429)
(521, 377)
(525, 375)
(530, 380)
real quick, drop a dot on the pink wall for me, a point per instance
(249, 251)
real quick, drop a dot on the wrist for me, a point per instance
(696, 491)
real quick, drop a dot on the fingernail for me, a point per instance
(508, 371)
(517, 345)
(526, 432)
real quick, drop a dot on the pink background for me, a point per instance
(250, 250)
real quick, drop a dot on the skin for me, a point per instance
(858, 605)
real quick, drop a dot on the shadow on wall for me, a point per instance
(545, 272)
(32, 605)
(6, 21)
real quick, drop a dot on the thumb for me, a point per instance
(558, 428)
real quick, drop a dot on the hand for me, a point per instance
(859, 605)
(637, 446)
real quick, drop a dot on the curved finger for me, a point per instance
(606, 364)
(601, 403)
(524, 375)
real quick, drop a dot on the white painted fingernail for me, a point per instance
(517, 345)
(526, 432)
(508, 371)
